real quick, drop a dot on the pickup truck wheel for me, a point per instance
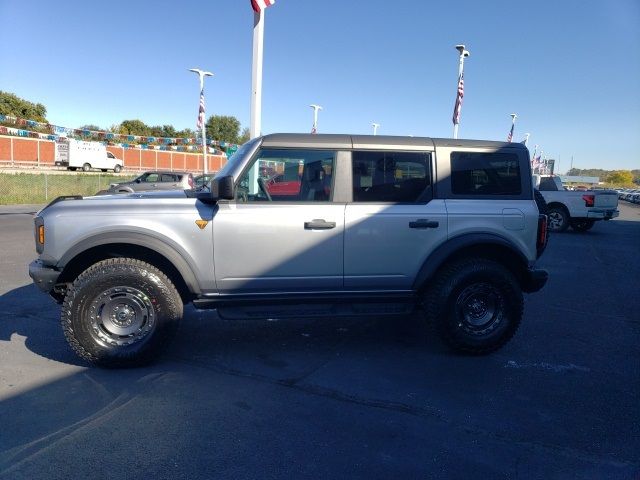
(558, 218)
(86, 167)
(475, 305)
(117, 169)
(582, 224)
(120, 312)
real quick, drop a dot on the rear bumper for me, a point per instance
(603, 213)
(534, 280)
(44, 277)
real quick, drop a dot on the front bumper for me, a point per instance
(534, 280)
(603, 214)
(44, 277)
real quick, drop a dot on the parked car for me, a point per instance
(202, 180)
(154, 180)
(578, 209)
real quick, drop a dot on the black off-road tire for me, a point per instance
(120, 312)
(558, 218)
(582, 224)
(474, 305)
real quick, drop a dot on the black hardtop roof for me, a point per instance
(372, 141)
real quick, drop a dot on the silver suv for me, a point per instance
(356, 225)
(154, 180)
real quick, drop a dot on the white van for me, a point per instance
(75, 154)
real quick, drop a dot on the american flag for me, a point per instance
(510, 136)
(458, 106)
(200, 122)
(259, 5)
(313, 130)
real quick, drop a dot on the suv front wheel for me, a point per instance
(475, 305)
(120, 312)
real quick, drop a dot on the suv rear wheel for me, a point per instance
(120, 312)
(475, 305)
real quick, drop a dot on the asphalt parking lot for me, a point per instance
(337, 398)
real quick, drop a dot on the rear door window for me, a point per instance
(396, 177)
(485, 173)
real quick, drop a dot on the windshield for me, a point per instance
(237, 157)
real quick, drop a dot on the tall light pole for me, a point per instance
(375, 128)
(460, 92)
(201, 118)
(315, 107)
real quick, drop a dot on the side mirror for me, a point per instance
(222, 188)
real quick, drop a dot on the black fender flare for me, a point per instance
(448, 249)
(165, 247)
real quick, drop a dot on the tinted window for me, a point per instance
(390, 176)
(547, 185)
(476, 173)
(288, 175)
(167, 177)
(150, 177)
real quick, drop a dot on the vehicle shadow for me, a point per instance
(203, 335)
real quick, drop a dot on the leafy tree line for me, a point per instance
(614, 177)
(218, 127)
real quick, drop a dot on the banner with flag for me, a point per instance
(259, 5)
(459, 96)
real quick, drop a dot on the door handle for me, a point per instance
(424, 223)
(319, 224)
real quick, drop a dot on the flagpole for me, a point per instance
(513, 124)
(314, 128)
(526, 139)
(256, 74)
(463, 54)
(201, 74)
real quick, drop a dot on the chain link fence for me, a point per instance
(39, 188)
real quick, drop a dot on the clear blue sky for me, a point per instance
(570, 69)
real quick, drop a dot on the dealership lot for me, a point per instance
(342, 398)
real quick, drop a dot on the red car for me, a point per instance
(278, 185)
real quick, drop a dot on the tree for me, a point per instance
(244, 136)
(223, 128)
(90, 126)
(15, 106)
(620, 177)
(135, 127)
(163, 131)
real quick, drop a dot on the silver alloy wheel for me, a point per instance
(556, 220)
(479, 308)
(121, 316)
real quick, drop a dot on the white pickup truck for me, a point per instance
(578, 209)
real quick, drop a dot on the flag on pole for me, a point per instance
(259, 5)
(200, 122)
(313, 130)
(510, 136)
(458, 106)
